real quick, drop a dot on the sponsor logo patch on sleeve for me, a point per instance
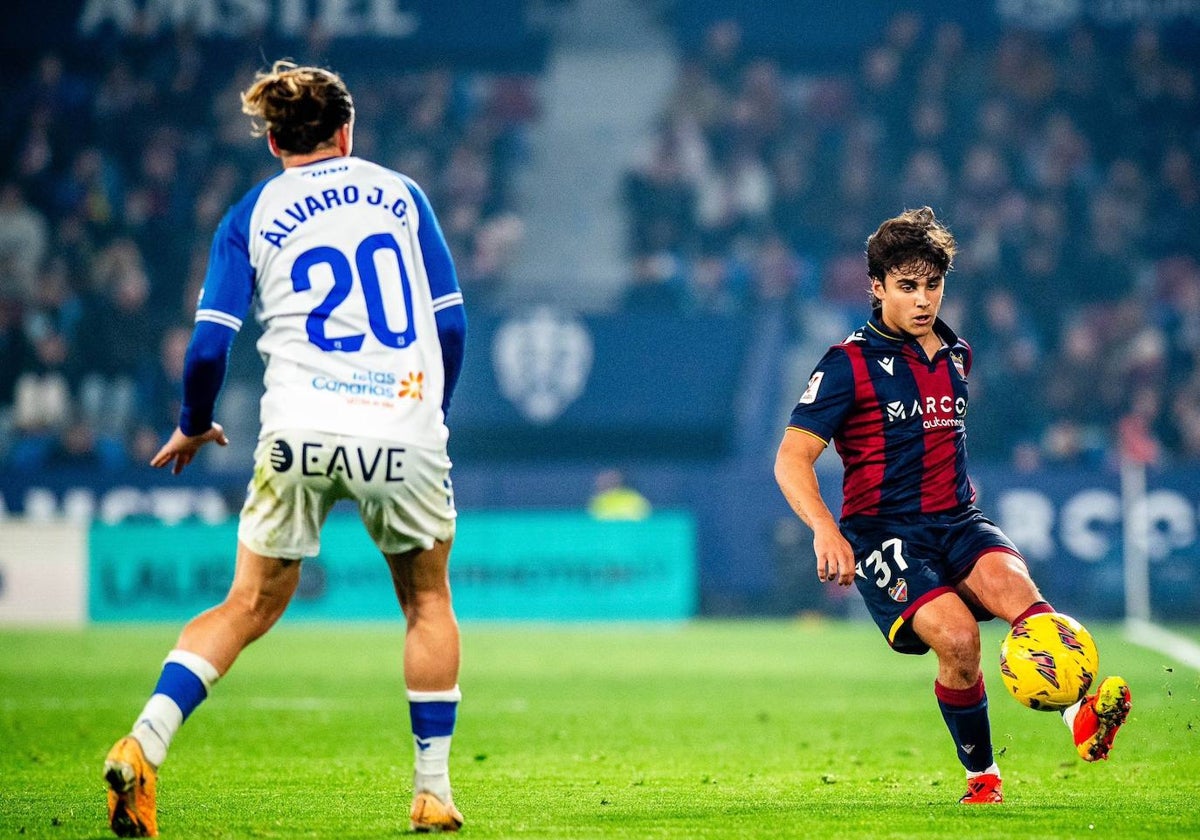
(814, 385)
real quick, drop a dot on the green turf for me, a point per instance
(700, 731)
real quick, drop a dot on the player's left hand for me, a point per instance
(181, 449)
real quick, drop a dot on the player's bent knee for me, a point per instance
(959, 649)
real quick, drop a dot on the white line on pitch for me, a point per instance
(1159, 639)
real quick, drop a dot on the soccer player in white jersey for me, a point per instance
(363, 331)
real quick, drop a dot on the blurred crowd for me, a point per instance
(1067, 166)
(117, 170)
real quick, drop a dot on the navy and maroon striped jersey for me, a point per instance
(896, 418)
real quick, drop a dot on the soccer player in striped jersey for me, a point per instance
(363, 334)
(893, 399)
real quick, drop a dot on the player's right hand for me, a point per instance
(835, 557)
(181, 449)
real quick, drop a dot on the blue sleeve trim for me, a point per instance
(452, 332)
(439, 266)
(203, 374)
(229, 281)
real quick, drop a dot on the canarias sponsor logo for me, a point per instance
(413, 386)
(364, 383)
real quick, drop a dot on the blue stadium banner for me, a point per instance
(474, 32)
(819, 36)
(551, 565)
(549, 383)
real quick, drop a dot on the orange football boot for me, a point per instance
(983, 789)
(1099, 718)
(131, 780)
(431, 814)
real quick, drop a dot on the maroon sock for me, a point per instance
(1038, 608)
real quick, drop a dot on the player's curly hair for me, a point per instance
(301, 107)
(915, 237)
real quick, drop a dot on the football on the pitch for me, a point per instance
(1048, 661)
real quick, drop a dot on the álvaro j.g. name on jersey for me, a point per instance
(336, 256)
(896, 417)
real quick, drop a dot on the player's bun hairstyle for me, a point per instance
(301, 107)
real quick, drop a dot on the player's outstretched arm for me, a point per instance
(203, 374)
(797, 477)
(181, 449)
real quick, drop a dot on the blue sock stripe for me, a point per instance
(182, 686)
(433, 719)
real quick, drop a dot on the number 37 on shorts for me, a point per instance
(892, 586)
(884, 567)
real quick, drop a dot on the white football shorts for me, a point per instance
(403, 492)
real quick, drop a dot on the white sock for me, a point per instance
(432, 771)
(156, 726)
(163, 713)
(994, 770)
(1069, 713)
(432, 753)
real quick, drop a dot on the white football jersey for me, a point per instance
(346, 266)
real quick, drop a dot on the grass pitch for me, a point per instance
(705, 730)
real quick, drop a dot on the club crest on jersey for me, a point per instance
(959, 364)
(898, 592)
(814, 385)
(281, 456)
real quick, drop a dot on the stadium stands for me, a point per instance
(117, 173)
(1068, 165)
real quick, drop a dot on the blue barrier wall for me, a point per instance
(752, 555)
(544, 565)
